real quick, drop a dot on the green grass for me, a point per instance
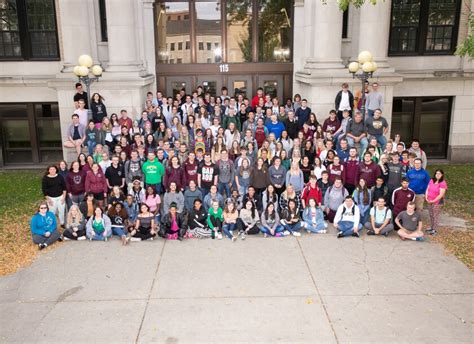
(19, 190)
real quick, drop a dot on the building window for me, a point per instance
(345, 23)
(179, 60)
(172, 46)
(188, 45)
(180, 45)
(426, 119)
(424, 27)
(201, 45)
(209, 45)
(103, 21)
(28, 30)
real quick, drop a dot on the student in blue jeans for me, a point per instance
(347, 219)
(230, 215)
(291, 219)
(99, 226)
(44, 227)
(270, 222)
(313, 218)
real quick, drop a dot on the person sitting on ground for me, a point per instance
(215, 219)
(145, 226)
(270, 221)
(291, 220)
(98, 226)
(410, 224)
(313, 218)
(197, 220)
(380, 219)
(119, 219)
(44, 227)
(75, 225)
(173, 224)
(248, 220)
(347, 219)
(230, 215)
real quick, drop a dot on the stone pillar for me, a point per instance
(374, 30)
(325, 36)
(123, 38)
(77, 34)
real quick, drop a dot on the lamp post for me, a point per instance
(368, 67)
(82, 71)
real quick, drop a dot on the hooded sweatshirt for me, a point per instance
(334, 197)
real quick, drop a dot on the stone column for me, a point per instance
(374, 30)
(123, 38)
(76, 31)
(325, 52)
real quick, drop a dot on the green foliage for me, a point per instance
(466, 48)
(344, 4)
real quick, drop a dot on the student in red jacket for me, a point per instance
(96, 184)
(368, 170)
(311, 190)
(401, 197)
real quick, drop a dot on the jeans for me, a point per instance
(347, 227)
(158, 187)
(58, 206)
(91, 146)
(96, 236)
(118, 230)
(363, 144)
(243, 190)
(295, 227)
(370, 112)
(316, 228)
(223, 187)
(41, 239)
(381, 140)
(267, 231)
(76, 199)
(227, 228)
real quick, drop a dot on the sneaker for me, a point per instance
(370, 232)
(67, 239)
(356, 234)
(105, 239)
(60, 239)
(340, 234)
(81, 238)
(151, 239)
(323, 231)
(219, 236)
(265, 235)
(279, 235)
(180, 238)
(385, 234)
(234, 239)
(286, 233)
(296, 234)
(42, 246)
(90, 238)
(420, 239)
(135, 239)
(243, 236)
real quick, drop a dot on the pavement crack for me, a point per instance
(160, 258)
(367, 272)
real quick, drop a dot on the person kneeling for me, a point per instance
(44, 227)
(347, 219)
(313, 218)
(173, 225)
(410, 224)
(380, 219)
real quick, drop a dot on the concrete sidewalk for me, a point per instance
(312, 289)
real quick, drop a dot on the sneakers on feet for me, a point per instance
(81, 238)
(355, 234)
(265, 235)
(323, 231)
(60, 238)
(340, 234)
(420, 239)
(67, 239)
(296, 234)
(286, 233)
(234, 239)
(135, 239)
(242, 236)
(370, 232)
(42, 246)
(219, 236)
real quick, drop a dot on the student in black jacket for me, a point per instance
(197, 221)
(54, 191)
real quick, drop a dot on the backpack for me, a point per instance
(352, 210)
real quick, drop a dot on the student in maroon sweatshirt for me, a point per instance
(96, 184)
(76, 183)
(336, 169)
(190, 167)
(175, 173)
(368, 170)
(400, 198)
(351, 167)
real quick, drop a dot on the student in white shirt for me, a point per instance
(380, 219)
(347, 219)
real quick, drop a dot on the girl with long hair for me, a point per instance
(435, 195)
(363, 198)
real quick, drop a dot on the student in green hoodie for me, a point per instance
(215, 219)
(154, 172)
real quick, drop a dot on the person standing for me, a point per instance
(54, 190)
(368, 170)
(373, 101)
(153, 171)
(344, 101)
(80, 95)
(401, 197)
(302, 113)
(418, 179)
(435, 194)
(208, 175)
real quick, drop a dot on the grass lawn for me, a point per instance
(21, 190)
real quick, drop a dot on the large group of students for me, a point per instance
(204, 166)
